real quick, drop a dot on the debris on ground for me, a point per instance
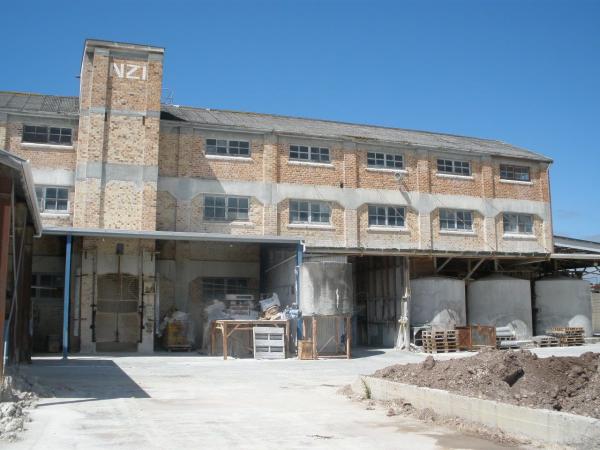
(16, 396)
(561, 383)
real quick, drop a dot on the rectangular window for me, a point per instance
(518, 223)
(456, 219)
(47, 135)
(386, 216)
(227, 148)
(378, 160)
(310, 154)
(47, 285)
(454, 167)
(309, 212)
(224, 208)
(52, 199)
(218, 288)
(515, 173)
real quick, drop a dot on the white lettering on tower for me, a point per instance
(129, 71)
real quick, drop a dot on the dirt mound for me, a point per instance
(16, 395)
(568, 384)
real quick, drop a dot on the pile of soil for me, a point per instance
(16, 396)
(568, 384)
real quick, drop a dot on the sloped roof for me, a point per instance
(38, 103)
(69, 106)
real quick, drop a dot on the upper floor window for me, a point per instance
(309, 212)
(52, 199)
(227, 148)
(220, 207)
(47, 135)
(454, 167)
(456, 219)
(378, 160)
(386, 216)
(518, 223)
(515, 173)
(312, 154)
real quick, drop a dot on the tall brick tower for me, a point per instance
(117, 158)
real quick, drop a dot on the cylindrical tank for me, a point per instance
(326, 288)
(501, 301)
(563, 302)
(438, 301)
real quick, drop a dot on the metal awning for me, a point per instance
(168, 235)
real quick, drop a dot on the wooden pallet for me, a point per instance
(568, 336)
(439, 341)
(548, 341)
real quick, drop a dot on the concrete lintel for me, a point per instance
(116, 172)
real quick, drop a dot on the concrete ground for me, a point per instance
(184, 400)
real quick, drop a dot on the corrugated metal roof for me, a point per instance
(36, 103)
(341, 130)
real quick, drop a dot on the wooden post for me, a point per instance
(213, 331)
(314, 337)
(348, 321)
(225, 338)
(23, 338)
(287, 338)
(337, 334)
(5, 190)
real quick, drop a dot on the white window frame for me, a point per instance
(230, 205)
(52, 135)
(385, 160)
(41, 192)
(456, 220)
(507, 169)
(453, 167)
(386, 212)
(310, 154)
(227, 147)
(520, 222)
(311, 209)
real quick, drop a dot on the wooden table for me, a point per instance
(228, 327)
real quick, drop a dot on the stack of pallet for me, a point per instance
(568, 336)
(439, 341)
(546, 341)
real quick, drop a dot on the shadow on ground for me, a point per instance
(83, 380)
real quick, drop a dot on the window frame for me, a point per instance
(42, 200)
(314, 154)
(227, 147)
(454, 168)
(231, 212)
(388, 159)
(508, 172)
(226, 285)
(452, 217)
(517, 222)
(311, 209)
(56, 284)
(47, 131)
(384, 211)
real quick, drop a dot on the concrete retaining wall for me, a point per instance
(537, 424)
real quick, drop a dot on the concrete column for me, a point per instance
(87, 298)
(148, 299)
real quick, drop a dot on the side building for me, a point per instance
(168, 207)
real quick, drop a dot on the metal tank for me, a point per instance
(501, 301)
(326, 288)
(438, 301)
(563, 302)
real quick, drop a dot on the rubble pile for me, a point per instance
(568, 384)
(16, 395)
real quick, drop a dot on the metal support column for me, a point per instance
(67, 296)
(299, 258)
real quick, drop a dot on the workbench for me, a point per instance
(227, 327)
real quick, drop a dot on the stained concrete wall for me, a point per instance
(563, 302)
(501, 301)
(596, 311)
(326, 288)
(438, 301)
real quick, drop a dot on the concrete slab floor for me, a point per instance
(184, 401)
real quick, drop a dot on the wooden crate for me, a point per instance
(176, 336)
(269, 343)
(305, 349)
(568, 336)
(440, 341)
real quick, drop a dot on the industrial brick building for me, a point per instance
(156, 206)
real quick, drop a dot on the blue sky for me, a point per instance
(525, 72)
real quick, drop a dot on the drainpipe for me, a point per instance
(67, 296)
(299, 257)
